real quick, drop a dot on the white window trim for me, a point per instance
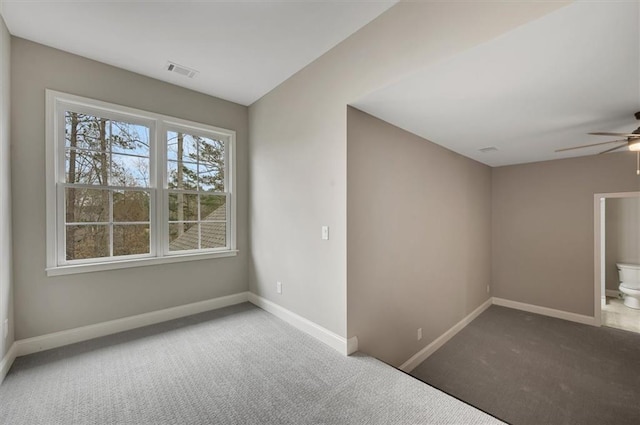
(158, 124)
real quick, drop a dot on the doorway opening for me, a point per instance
(616, 257)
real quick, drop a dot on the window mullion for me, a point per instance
(60, 192)
(199, 216)
(161, 224)
(229, 182)
(62, 230)
(228, 219)
(111, 223)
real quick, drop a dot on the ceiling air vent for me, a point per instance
(182, 70)
(488, 149)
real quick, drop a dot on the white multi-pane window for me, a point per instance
(196, 191)
(128, 187)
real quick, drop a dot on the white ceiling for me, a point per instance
(242, 49)
(538, 88)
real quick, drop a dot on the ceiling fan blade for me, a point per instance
(613, 149)
(593, 144)
(604, 133)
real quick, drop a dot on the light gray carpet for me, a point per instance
(238, 365)
(530, 369)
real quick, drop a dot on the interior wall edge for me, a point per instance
(341, 344)
(427, 351)
(7, 287)
(7, 361)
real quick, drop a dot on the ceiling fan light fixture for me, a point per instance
(634, 145)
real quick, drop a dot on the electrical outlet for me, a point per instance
(419, 334)
(5, 328)
(488, 289)
(279, 287)
(325, 233)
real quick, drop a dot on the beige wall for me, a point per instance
(543, 221)
(44, 305)
(298, 148)
(298, 164)
(6, 282)
(622, 236)
(418, 239)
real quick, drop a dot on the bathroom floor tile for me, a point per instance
(617, 315)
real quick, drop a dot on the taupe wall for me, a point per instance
(44, 305)
(543, 221)
(6, 282)
(622, 236)
(298, 148)
(418, 239)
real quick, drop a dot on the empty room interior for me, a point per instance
(334, 212)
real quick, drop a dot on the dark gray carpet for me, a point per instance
(530, 369)
(238, 365)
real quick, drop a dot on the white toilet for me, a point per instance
(629, 275)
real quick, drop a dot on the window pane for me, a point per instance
(130, 205)
(132, 139)
(101, 134)
(183, 236)
(129, 171)
(86, 205)
(172, 146)
(211, 162)
(131, 239)
(213, 207)
(189, 147)
(211, 178)
(85, 131)
(87, 241)
(214, 235)
(182, 177)
(86, 167)
(181, 147)
(183, 207)
(211, 151)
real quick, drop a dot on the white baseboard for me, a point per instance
(71, 336)
(7, 361)
(335, 341)
(545, 311)
(612, 293)
(339, 343)
(423, 354)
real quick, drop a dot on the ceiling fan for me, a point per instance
(629, 140)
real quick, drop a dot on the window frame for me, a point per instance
(193, 131)
(57, 103)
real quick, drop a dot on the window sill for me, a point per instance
(137, 262)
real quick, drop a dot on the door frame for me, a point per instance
(599, 232)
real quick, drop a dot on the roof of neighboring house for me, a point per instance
(213, 232)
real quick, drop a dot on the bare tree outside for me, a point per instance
(102, 155)
(107, 189)
(197, 185)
